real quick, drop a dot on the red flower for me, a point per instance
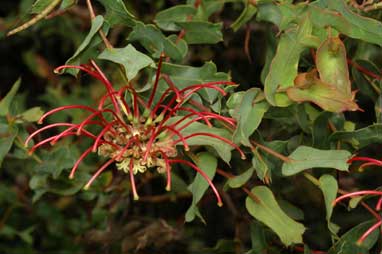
(367, 162)
(141, 135)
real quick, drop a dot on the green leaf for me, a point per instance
(184, 76)
(200, 32)
(308, 87)
(248, 12)
(329, 188)
(117, 13)
(346, 21)
(89, 41)
(261, 167)
(5, 103)
(284, 66)
(240, 180)
(54, 162)
(39, 6)
(366, 85)
(258, 240)
(249, 115)
(361, 137)
(332, 65)
(305, 157)
(223, 149)
(208, 163)
(154, 41)
(131, 59)
(166, 19)
(67, 4)
(269, 212)
(347, 244)
(7, 136)
(30, 115)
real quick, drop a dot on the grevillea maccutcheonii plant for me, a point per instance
(139, 136)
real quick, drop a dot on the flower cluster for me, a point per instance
(377, 209)
(142, 135)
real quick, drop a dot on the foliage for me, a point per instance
(273, 107)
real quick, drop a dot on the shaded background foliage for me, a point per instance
(42, 211)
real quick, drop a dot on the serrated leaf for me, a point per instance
(208, 163)
(249, 115)
(240, 180)
(200, 32)
(131, 59)
(347, 244)
(166, 19)
(305, 157)
(117, 13)
(5, 103)
(269, 212)
(283, 69)
(154, 41)
(246, 15)
(361, 137)
(7, 136)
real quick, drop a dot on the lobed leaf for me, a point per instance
(131, 59)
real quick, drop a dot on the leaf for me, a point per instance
(208, 163)
(329, 188)
(246, 15)
(347, 244)
(240, 180)
(346, 21)
(222, 148)
(269, 212)
(65, 4)
(305, 157)
(54, 162)
(365, 84)
(30, 115)
(166, 19)
(39, 6)
(5, 103)
(184, 76)
(361, 137)
(332, 65)
(117, 13)
(249, 115)
(258, 240)
(131, 59)
(283, 69)
(7, 136)
(89, 41)
(309, 88)
(154, 41)
(200, 32)
(261, 167)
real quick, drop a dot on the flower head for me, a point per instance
(142, 135)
